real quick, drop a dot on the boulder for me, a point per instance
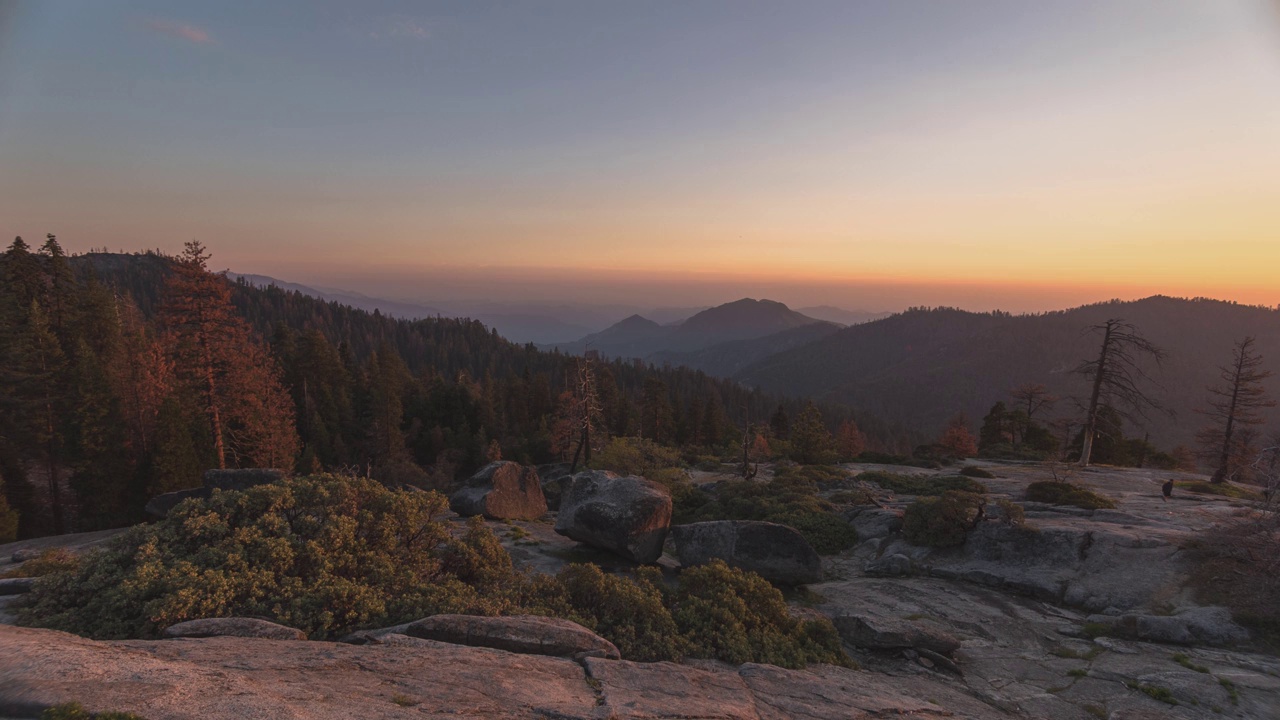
(554, 477)
(240, 478)
(777, 552)
(527, 634)
(501, 491)
(16, 586)
(25, 554)
(895, 565)
(160, 505)
(233, 627)
(873, 522)
(881, 633)
(625, 515)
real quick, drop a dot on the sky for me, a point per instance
(873, 155)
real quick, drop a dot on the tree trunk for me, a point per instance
(1224, 458)
(1091, 420)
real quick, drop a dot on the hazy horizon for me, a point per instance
(869, 156)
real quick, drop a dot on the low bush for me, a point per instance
(974, 471)
(932, 485)
(636, 456)
(50, 561)
(1225, 489)
(820, 475)
(1061, 493)
(790, 500)
(1011, 513)
(330, 555)
(942, 521)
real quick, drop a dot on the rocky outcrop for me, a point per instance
(16, 586)
(1194, 626)
(233, 627)
(160, 505)
(778, 553)
(231, 677)
(227, 479)
(501, 491)
(873, 522)
(628, 516)
(526, 634)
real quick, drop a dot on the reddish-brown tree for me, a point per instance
(215, 355)
(957, 439)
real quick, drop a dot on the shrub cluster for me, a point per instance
(330, 555)
(1061, 493)
(788, 500)
(974, 471)
(922, 485)
(941, 521)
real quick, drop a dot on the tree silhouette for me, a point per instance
(1115, 376)
(1234, 408)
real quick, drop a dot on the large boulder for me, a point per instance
(160, 505)
(528, 634)
(233, 627)
(501, 491)
(777, 552)
(625, 515)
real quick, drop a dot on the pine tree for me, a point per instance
(810, 441)
(249, 415)
(850, 442)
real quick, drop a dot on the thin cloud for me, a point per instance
(182, 31)
(399, 27)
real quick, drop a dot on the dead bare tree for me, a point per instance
(1234, 409)
(1115, 376)
(585, 412)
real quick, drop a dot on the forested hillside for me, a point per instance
(921, 366)
(126, 376)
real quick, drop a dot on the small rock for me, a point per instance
(501, 491)
(16, 586)
(233, 627)
(528, 634)
(873, 522)
(778, 553)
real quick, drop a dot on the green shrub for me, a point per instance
(1224, 489)
(1011, 513)
(851, 497)
(1061, 493)
(790, 500)
(922, 485)
(631, 614)
(636, 456)
(941, 521)
(1155, 692)
(974, 471)
(323, 554)
(737, 616)
(50, 561)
